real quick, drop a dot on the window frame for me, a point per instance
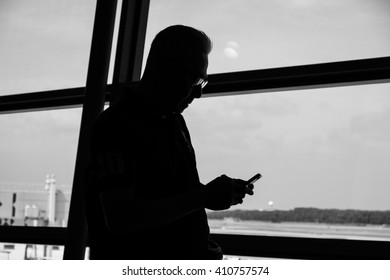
(128, 64)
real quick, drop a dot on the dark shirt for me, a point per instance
(135, 148)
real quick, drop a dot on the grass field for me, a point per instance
(360, 232)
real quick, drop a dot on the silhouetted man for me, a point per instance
(144, 199)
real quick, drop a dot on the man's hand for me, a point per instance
(223, 192)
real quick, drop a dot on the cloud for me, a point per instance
(44, 45)
(231, 50)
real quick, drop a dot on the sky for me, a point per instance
(326, 148)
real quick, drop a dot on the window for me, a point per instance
(319, 148)
(253, 34)
(38, 151)
(47, 47)
(45, 44)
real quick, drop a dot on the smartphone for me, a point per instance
(254, 179)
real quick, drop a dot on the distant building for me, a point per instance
(34, 204)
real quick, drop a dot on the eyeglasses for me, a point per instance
(201, 82)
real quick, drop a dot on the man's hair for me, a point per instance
(178, 41)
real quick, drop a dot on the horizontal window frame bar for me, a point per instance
(44, 100)
(33, 235)
(333, 74)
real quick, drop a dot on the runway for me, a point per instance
(313, 230)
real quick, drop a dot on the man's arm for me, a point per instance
(124, 212)
(116, 160)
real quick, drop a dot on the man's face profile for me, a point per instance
(193, 90)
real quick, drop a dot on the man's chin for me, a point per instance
(181, 108)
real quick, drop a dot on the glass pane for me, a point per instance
(114, 42)
(254, 34)
(326, 149)
(44, 44)
(38, 152)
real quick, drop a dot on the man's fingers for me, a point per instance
(249, 189)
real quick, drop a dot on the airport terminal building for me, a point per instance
(34, 205)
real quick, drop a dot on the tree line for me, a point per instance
(308, 215)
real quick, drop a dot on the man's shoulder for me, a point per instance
(116, 117)
(112, 114)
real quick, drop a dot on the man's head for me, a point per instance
(177, 63)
